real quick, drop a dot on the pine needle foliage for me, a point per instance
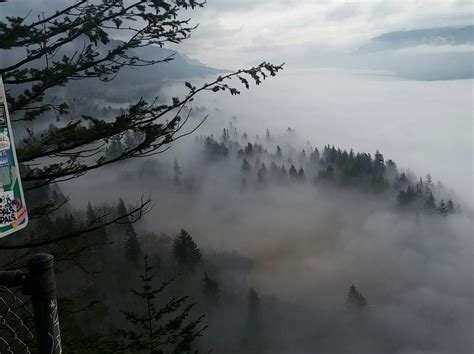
(165, 328)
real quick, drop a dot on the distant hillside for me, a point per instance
(426, 54)
(431, 36)
(133, 83)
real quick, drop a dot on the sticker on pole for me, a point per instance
(13, 215)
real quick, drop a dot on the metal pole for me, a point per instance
(42, 288)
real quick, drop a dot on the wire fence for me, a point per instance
(16, 320)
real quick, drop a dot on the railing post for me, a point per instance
(41, 285)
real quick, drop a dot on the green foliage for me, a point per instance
(165, 329)
(75, 43)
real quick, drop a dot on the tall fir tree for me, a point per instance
(132, 245)
(293, 173)
(245, 168)
(185, 250)
(158, 330)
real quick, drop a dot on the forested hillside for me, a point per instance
(191, 210)
(214, 287)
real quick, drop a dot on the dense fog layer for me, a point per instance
(424, 126)
(309, 242)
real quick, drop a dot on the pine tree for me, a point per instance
(249, 150)
(100, 236)
(262, 174)
(225, 136)
(378, 159)
(132, 246)
(419, 190)
(428, 180)
(315, 156)
(302, 157)
(327, 174)
(278, 152)
(430, 202)
(90, 214)
(159, 329)
(450, 207)
(245, 166)
(293, 173)
(268, 137)
(406, 197)
(442, 207)
(185, 250)
(351, 155)
(355, 301)
(301, 176)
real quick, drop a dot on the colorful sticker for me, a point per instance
(3, 116)
(4, 142)
(5, 159)
(13, 212)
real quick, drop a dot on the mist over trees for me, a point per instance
(74, 43)
(253, 240)
(340, 215)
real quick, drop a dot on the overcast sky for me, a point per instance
(241, 32)
(233, 33)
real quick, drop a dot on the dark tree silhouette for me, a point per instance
(355, 300)
(293, 173)
(132, 246)
(185, 250)
(430, 202)
(245, 166)
(278, 152)
(164, 329)
(301, 176)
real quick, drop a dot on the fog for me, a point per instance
(424, 126)
(290, 249)
(309, 243)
